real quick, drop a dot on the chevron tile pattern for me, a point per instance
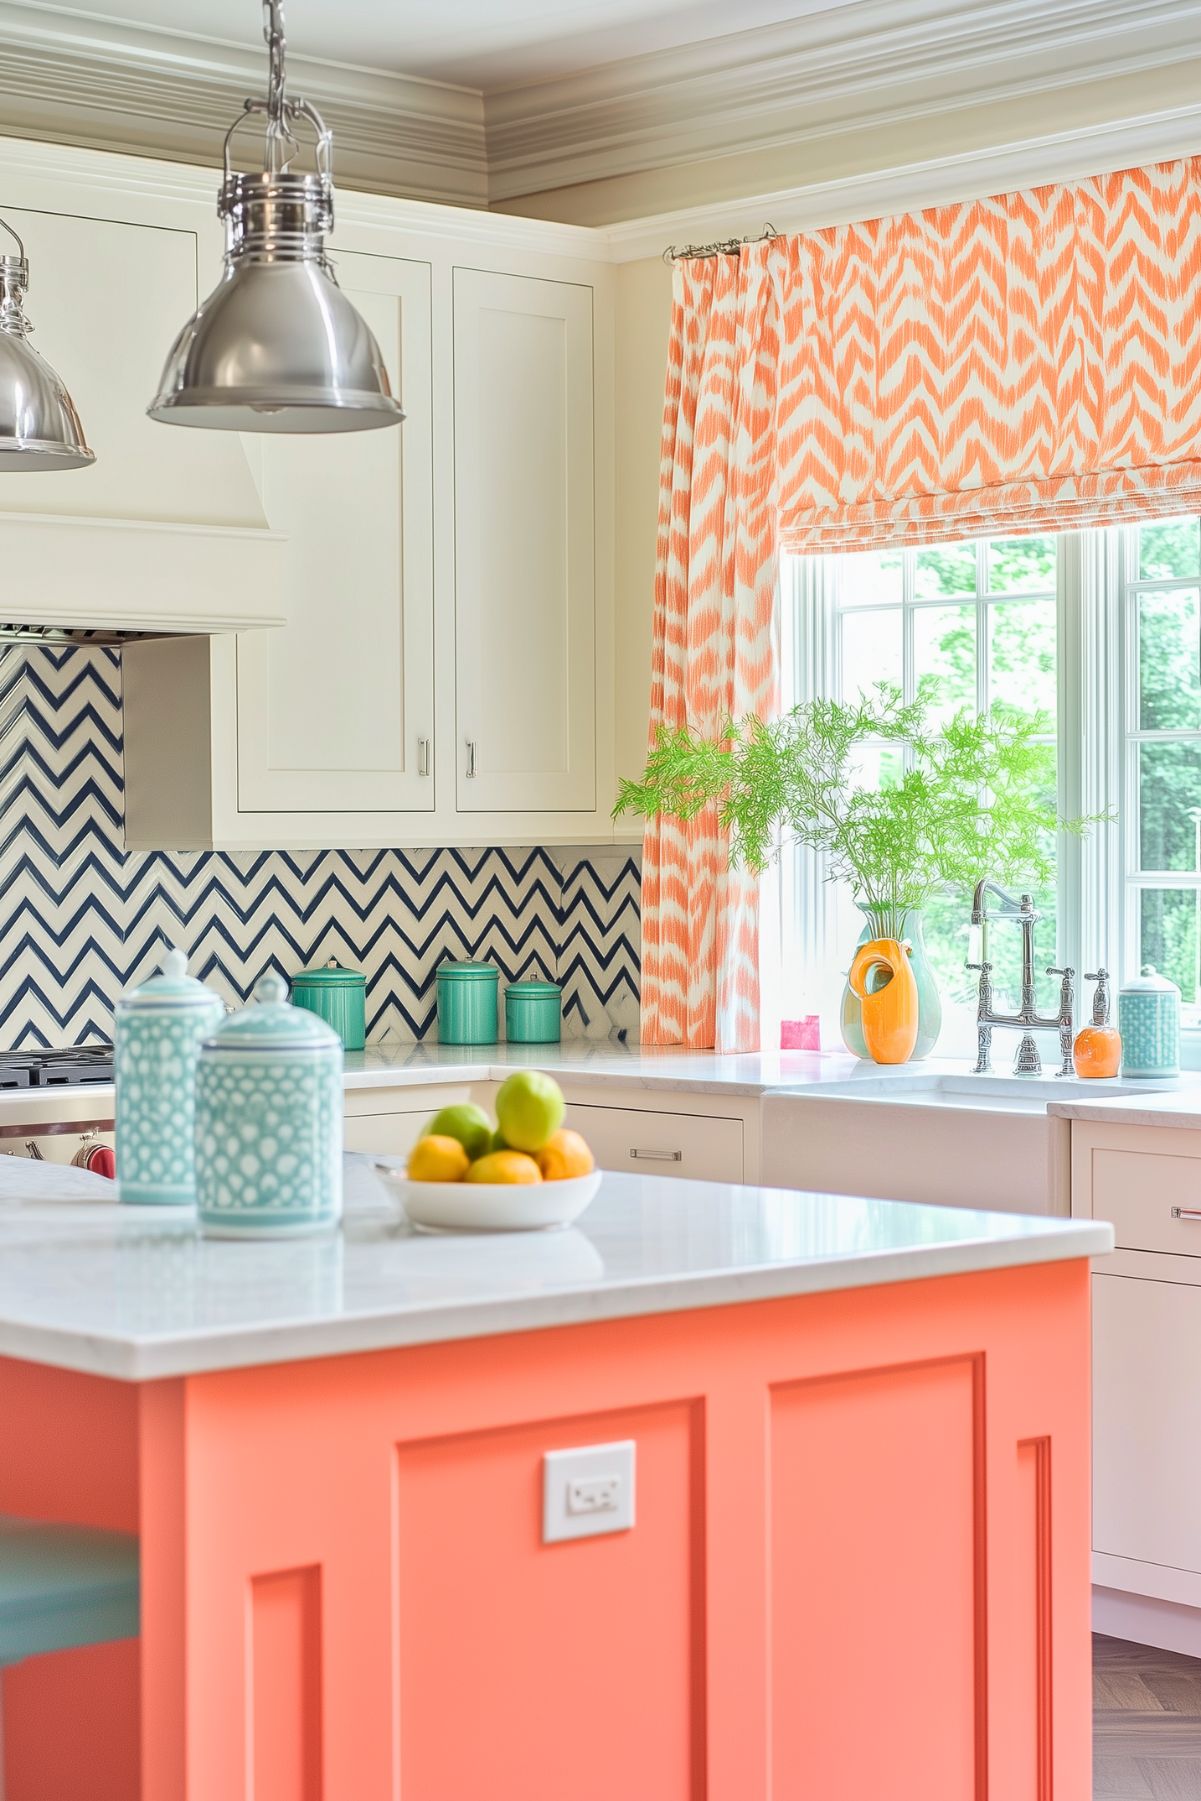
(81, 919)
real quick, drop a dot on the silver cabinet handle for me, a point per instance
(658, 1156)
(470, 758)
(423, 756)
(1186, 1212)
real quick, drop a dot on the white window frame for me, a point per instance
(1098, 878)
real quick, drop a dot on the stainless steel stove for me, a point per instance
(56, 1069)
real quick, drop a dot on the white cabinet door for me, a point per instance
(167, 528)
(524, 544)
(1147, 1421)
(336, 711)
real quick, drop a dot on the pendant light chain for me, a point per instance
(281, 140)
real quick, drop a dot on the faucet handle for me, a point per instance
(983, 967)
(1069, 972)
(1096, 975)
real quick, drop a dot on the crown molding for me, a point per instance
(972, 175)
(859, 66)
(118, 87)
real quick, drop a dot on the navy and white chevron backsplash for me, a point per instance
(81, 919)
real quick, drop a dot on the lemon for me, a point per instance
(504, 1166)
(466, 1122)
(564, 1155)
(529, 1109)
(437, 1158)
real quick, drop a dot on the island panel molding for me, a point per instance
(341, 1495)
(83, 919)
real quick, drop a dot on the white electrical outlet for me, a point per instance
(587, 1491)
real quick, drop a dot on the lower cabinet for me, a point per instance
(1146, 1443)
(1146, 1352)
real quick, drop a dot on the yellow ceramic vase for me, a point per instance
(889, 1005)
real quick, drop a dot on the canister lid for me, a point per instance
(534, 990)
(1149, 981)
(172, 987)
(468, 972)
(270, 1024)
(329, 975)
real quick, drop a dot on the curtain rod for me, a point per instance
(722, 246)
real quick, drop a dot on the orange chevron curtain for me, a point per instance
(714, 654)
(1026, 363)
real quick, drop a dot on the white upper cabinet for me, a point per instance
(167, 528)
(525, 525)
(336, 713)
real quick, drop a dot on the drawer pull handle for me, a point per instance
(1186, 1212)
(658, 1156)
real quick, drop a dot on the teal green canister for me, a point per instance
(533, 1013)
(338, 996)
(1149, 1024)
(269, 1108)
(159, 1028)
(467, 1003)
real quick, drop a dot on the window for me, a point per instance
(1161, 607)
(1101, 633)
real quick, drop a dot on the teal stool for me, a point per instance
(60, 1587)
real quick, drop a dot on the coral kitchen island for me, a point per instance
(852, 1437)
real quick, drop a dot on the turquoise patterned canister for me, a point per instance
(269, 1121)
(1149, 1022)
(158, 1032)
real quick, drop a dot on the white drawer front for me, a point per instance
(661, 1144)
(384, 1134)
(1153, 1199)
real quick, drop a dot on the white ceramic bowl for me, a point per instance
(493, 1206)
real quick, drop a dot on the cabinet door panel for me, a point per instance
(524, 544)
(1146, 1446)
(335, 712)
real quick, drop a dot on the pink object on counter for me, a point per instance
(801, 1034)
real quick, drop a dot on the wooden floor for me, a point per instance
(1147, 1720)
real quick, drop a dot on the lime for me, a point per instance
(466, 1122)
(529, 1109)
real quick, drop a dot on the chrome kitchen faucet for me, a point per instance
(1027, 1019)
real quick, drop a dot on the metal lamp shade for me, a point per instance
(277, 346)
(39, 427)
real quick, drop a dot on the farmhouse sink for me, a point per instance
(951, 1139)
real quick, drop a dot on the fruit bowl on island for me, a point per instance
(524, 1174)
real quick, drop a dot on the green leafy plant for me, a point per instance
(971, 795)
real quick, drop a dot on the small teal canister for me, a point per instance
(1149, 1023)
(159, 1028)
(336, 995)
(269, 1121)
(467, 1003)
(533, 1012)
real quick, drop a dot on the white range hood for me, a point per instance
(167, 532)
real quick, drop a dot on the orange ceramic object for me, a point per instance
(1097, 1051)
(889, 1009)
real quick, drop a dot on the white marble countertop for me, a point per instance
(135, 1293)
(603, 1062)
(1177, 1106)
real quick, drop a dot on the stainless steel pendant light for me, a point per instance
(39, 427)
(277, 346)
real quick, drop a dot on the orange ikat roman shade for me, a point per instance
(1026, 363)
